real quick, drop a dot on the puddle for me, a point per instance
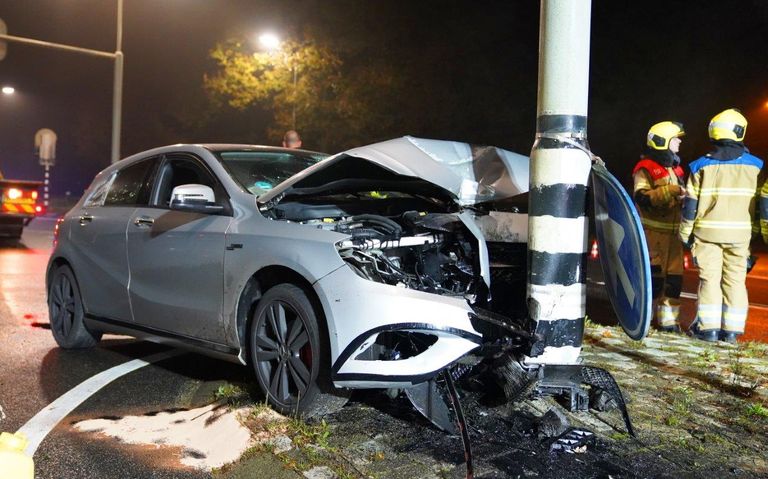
(208, 437)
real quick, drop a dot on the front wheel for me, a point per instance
(290, 356)
(66, 313)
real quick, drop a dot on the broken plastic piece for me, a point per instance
(430, 398)
(574, 441)
(553, 423)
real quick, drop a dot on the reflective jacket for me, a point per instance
(721, 197)
(657, 194)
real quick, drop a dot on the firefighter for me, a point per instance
(718, 222)
(658, 193)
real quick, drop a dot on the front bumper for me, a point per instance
(358, 310)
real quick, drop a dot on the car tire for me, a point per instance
(290, 355)
(66, 312)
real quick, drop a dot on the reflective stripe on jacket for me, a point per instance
(720, 199)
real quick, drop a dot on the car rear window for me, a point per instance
(260, 171)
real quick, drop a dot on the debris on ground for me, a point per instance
(698, 409)
(553, 423)
(574, 441)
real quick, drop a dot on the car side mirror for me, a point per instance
(195, 198)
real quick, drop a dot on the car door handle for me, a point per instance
(143, 221)
(85, 219)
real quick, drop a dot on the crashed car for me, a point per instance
(377, 267)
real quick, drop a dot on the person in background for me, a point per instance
(658, 192)
(718, 223)
(291, 139)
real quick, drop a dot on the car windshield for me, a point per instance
(260, 171)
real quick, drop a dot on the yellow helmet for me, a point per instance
(660, 134)
(728, 125)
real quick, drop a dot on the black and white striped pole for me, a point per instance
(46, 185)
(45, 147)
(560, 171)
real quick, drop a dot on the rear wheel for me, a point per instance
(65, 312)
(290, 356)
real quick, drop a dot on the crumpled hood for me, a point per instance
(471, 174)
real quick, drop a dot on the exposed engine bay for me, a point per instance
(435, 248)
(428, 252)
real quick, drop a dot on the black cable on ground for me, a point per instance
(461, 422)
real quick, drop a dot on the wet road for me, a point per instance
(34, 372)
(600, 310)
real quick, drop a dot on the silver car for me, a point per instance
(374, 268)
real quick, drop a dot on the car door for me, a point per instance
(98, 239)
(176, 257)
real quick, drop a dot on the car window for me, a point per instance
(260, 171)
(131, 185)
(184, 170)
(98, 193)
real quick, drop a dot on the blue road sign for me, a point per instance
(623, 253)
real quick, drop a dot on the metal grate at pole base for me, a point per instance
(567, 380)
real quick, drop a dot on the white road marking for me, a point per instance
(37, 428)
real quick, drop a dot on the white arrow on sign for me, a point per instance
(614, 235)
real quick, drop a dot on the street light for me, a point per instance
(271, 42)
(8, 90)
(117, 56)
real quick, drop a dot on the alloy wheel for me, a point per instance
(283, 352)
(63, 305)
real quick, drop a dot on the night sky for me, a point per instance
(470, 68)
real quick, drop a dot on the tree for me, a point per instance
(334, 108)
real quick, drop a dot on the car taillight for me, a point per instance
(686, 262)
(13, 193)
(593, 251)
(56, 231)
(39, 210)
(34, 195)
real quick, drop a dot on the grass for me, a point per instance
(304, 434)
(708, 358)
(753, 349)
(756, 410)
(311, 442)
(682, 399)
(230, 394)
(637, 345)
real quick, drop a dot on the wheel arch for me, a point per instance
(254, 289)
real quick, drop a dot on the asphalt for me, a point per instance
(34, 372)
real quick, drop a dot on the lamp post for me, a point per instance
(117, 89)
(117, 56)
(271, 42)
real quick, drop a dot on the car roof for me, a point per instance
(197, 147)
(216, 147)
